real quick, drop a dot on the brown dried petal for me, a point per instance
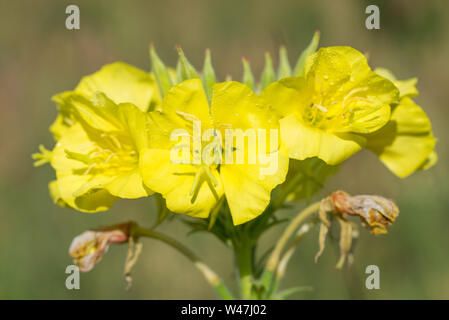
(88, 248)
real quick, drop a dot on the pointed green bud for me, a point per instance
(187, 71)
(311, 48)
(228, 77)
(208, 76)
(160, 72)
(248, 77)
(284, 69)
(268, 75)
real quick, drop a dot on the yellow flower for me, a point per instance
(99, 132)
(326, 112)
(96, 160)
(406, 143)
(194, 185)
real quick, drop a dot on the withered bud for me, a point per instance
(376, 212)
(88, 248)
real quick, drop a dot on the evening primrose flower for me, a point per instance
(406, 143)
(194, 188)
(99, 131)
(96, 160)
(326, 112)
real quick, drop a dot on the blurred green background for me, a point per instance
(40, 57)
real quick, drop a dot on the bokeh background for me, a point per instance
(40, 57)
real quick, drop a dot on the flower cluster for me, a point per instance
(114, 131)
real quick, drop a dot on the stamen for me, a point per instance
(187, 116)
(196, 184)
(203, 174)
(210, 176)
(110, 156)
(352, 92)
(89, 168)
(320, 107)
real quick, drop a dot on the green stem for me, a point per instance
(268, 277)
(210, 276)
(289, 231)
(243, 254)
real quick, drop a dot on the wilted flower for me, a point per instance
(375, 212)
(88, 248)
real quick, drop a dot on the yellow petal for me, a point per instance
(183, 104)
(122, 83)
(407, 88)
(234, 105)
(406, 142)
(288, 95)
(175, 181)
(303, 141)
(247, 190)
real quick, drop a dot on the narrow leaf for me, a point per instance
(162, 210)
(311, 48)
(288, 292)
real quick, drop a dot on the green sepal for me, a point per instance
(186, 70)
(160, 72)
(268, 75)
(248, 77)
(311, 48)
(208, 77)
(284, 69)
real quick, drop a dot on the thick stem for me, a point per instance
(244, 255)
(208, 273)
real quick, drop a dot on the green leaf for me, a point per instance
(208, 76)
(162, 210)
(311, 48)
(268, 75)
(287, 292)
(284, 69)
(248, 77)
(160, 72)
(187, 71)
